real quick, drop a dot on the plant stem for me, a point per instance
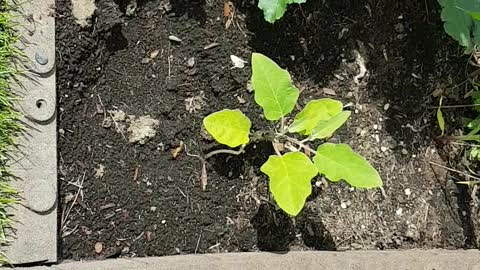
(274, 145)
(297, 142)
(226, 151)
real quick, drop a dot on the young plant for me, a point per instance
(462, 21)
(290, 174)
(274, 9)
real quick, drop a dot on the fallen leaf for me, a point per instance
(176, 151)
(237, 61)
(204, 176)
(154, 54)
(98, 247)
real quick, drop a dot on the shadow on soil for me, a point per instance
(401, 43)
(276, 231)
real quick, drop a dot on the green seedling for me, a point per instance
(461, 21)
(291, 173)
(274, 9)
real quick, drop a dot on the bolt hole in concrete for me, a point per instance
(41, 103)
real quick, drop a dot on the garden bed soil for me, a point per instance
(120, 198)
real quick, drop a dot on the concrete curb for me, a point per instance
(305, 260)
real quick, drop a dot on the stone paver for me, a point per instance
(306, 260)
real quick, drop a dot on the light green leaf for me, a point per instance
(273, 87)
(314, 112)
(274, 9)
(325, 129)
(440, 119)
(290, 180)
(229, 127)
(458, 21)
(338, 161)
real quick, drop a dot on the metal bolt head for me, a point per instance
(41, 58)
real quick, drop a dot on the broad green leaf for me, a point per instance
(325, 129)
(274, 9)
(290, 180)
(338, 161)
(273, 87)
(229, 127)
(440, 119)
(314, 112)
(459, 23)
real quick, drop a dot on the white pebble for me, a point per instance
(383, 148)
(399, 212)
(343, 205)
(386, 106)
(377, 138)
(164, 221)
(153, 208)
(318, 183)
(375, 126)
(408, 192)
(404, 151)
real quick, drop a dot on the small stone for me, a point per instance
(349, 203)
(408, 192)
(174, 38)
(383, 148)
(377, 138)
(386, 106)
(343, 205)
(375, 126)
(191, 62)
(404, 151)
(399, 212)
(148, 236)
(153, 208)
(399, 28)
(164, 221)
(317, 184)
(98, 247)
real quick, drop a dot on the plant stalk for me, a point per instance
(226, 151)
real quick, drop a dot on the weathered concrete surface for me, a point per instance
(34, 163)
(306, 260)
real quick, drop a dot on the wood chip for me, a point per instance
(174, 38)
(98, 247)
(328, 91)
(211, 45)
(107, 206)
(154, 54)
(177, 150)
(204, 176)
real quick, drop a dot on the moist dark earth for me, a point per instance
(121, 198)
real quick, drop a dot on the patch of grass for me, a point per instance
(10, 124)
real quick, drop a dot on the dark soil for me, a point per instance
(148, 203)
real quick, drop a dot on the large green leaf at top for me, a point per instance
(274, 9)
(290, 180)
(325, 129)
(459, 23)
(338, 161)
(273, 87)
(229, 127)
(314, 112)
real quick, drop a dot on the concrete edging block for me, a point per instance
(305, 260)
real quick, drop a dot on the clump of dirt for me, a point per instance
(383, 59)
